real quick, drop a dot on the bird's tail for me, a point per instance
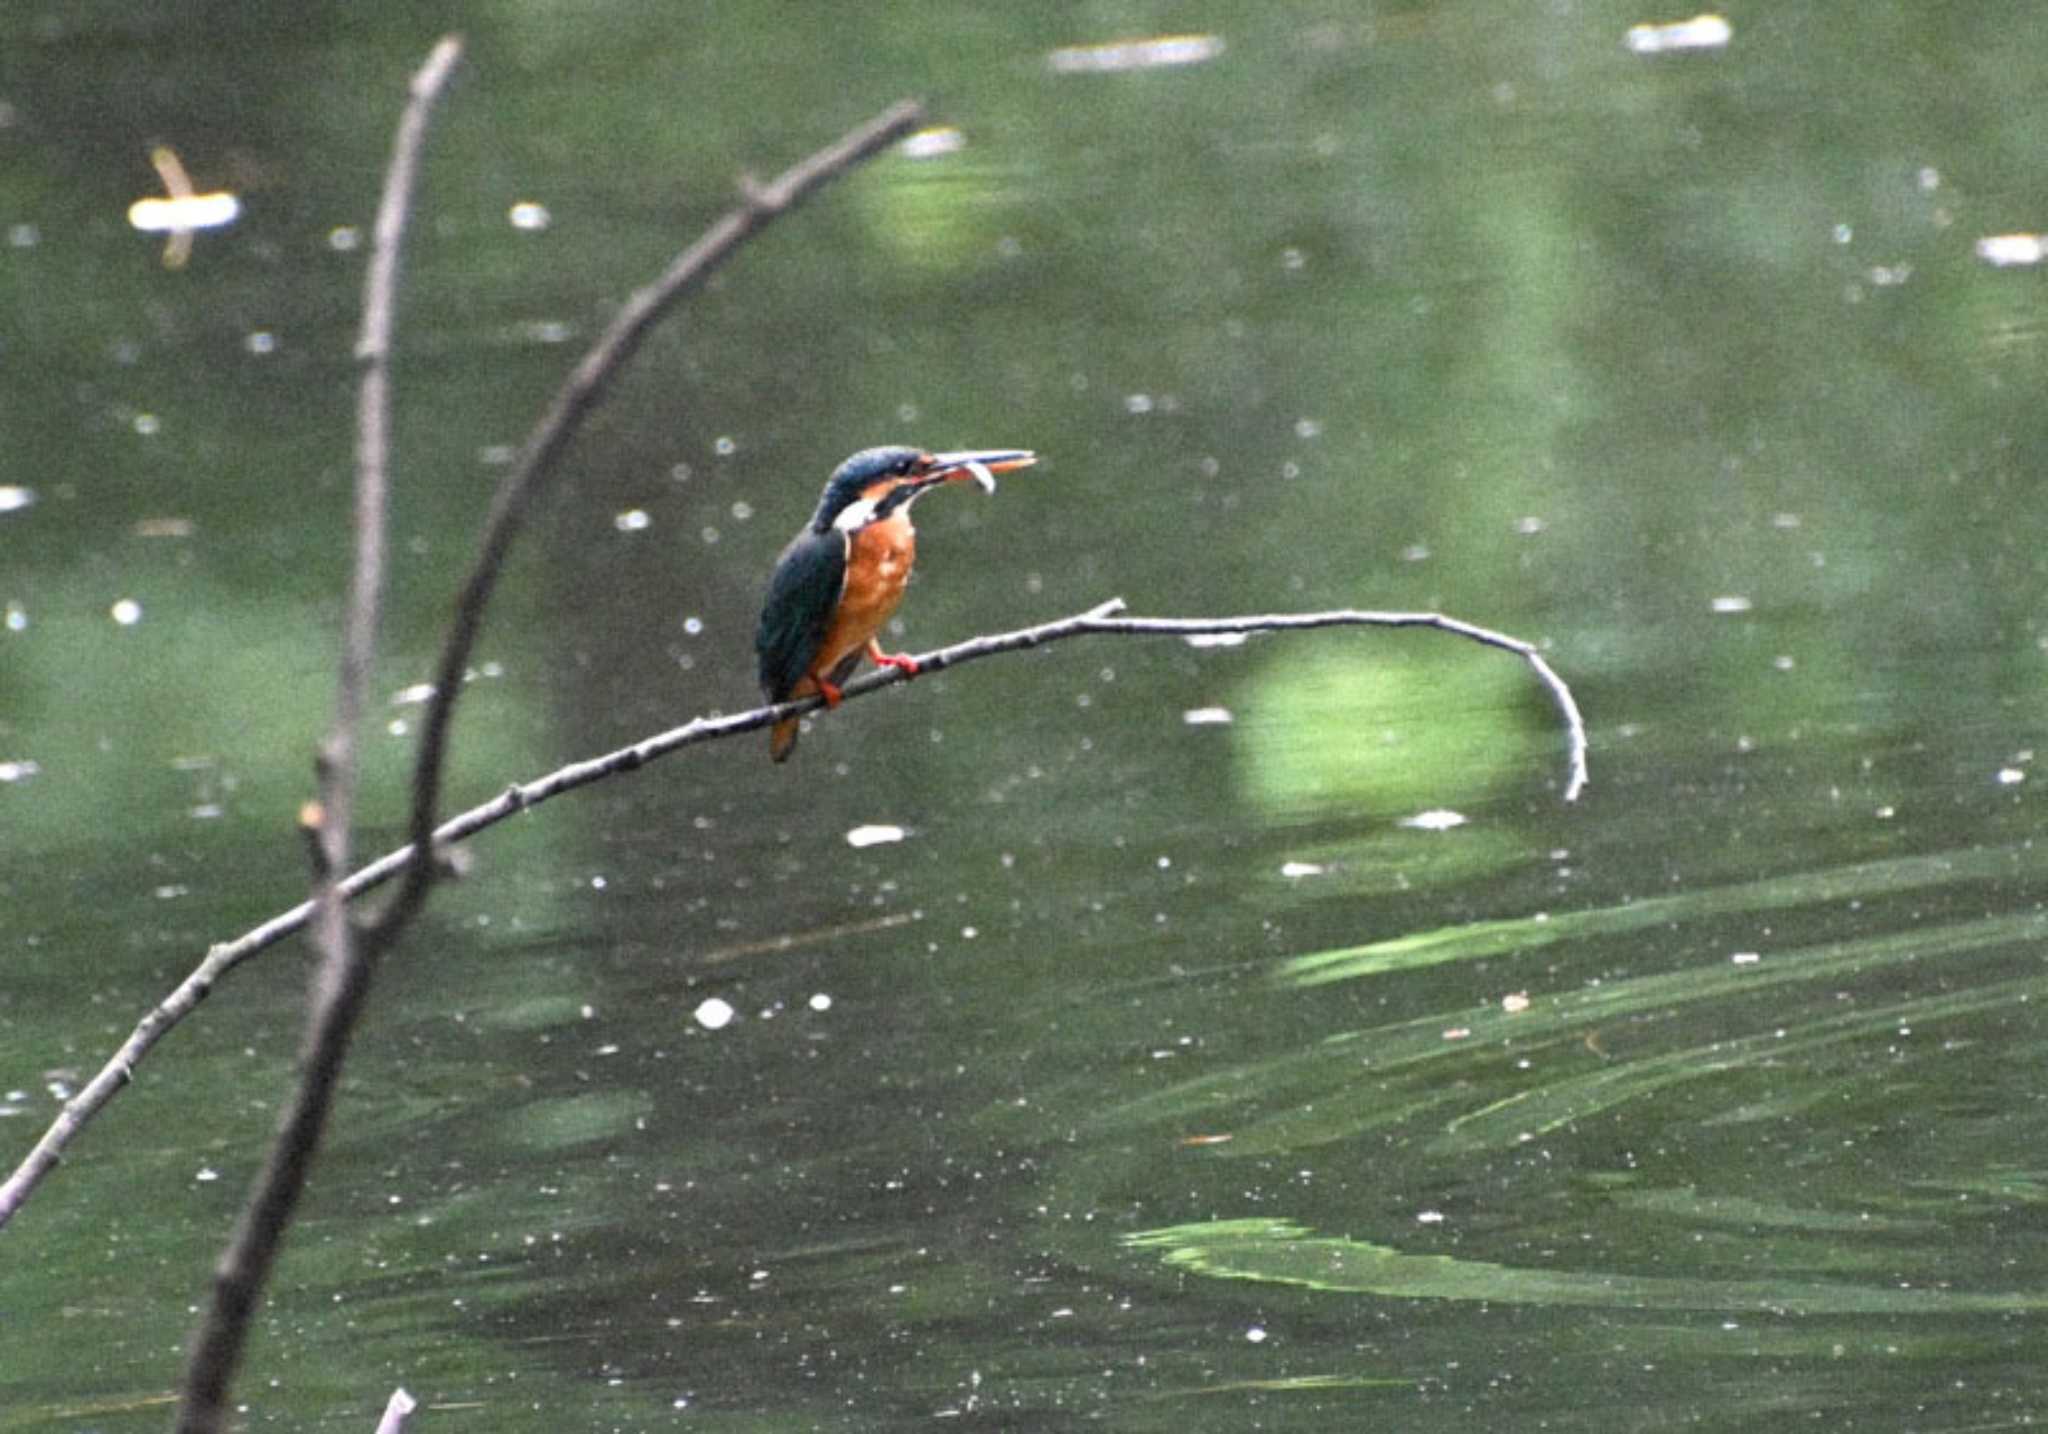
(782, 738)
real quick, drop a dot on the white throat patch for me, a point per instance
(855, 515)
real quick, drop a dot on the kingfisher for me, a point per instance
(841, 577)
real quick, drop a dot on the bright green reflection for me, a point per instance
(1480, 939)
(1381, 728)
(1278, 1251)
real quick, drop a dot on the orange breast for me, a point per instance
(876, 570)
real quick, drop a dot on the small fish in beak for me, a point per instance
(982, 466)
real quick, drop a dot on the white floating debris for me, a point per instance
(18, 771)
(1429, 1217)
(1206, 717)
(1731, 602)
(1437, 819)
(1701, 32)
(529, 215)
(874, 834)
(2003, 251)
(1255, 1335)
(182, 211)
(1148, 54)
(933, 142)
(633, 520)
(2010, 776)
(1530, 526)
(713, 1014)
(14, 497)
(821, 1002)
(1746, 958)
(412, 696)
(184, 214)
(126, 612)
(1295, 870)
(1515, 1002)
(1215, 639)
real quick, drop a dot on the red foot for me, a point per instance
(907, 665)
(830, 692)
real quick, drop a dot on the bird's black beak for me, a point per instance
(981, 465)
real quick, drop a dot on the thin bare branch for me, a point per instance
(342, 978)
(1104, 619)
(585, 386)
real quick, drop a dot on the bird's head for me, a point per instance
(875, 482)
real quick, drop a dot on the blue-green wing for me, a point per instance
(802, 593)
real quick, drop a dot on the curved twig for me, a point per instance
(1105, 618)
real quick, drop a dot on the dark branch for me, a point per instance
(343, 979)
(585, 387)
(1105, 618)
(343, 975)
